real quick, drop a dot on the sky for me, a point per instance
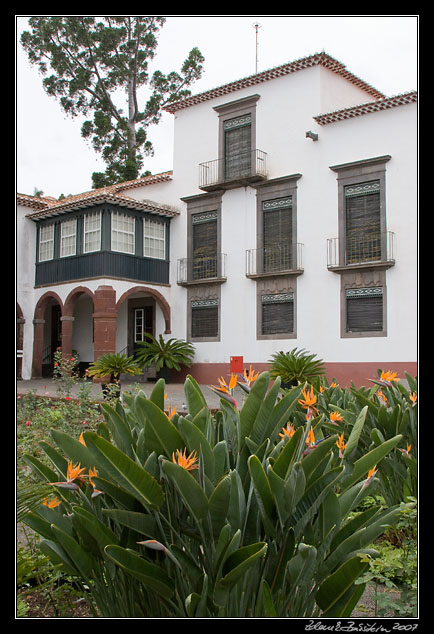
(52, 156)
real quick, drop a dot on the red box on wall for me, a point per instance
(236, 364)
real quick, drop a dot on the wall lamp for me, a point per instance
(312, 135)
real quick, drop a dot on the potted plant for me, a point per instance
(113, 365)
(295, 367)
(164, 355)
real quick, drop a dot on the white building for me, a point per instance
(289, 220)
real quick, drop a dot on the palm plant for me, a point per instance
(159, 353)
(113, 365)
(295, 367)
(236, 515)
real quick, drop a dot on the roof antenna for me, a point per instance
(256, 26)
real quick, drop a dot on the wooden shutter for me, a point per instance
(238, 146)
(204, 245)
(277, 313)
(364, 310)
(204, 318)
(363, 228)
(277, 234)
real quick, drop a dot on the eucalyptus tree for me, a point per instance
(97, 67)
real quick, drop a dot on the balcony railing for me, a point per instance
(246, 167)
(202, 269)
(274, 260)
(376, 248)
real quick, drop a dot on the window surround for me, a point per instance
(353, 173)
(203, 295)
(282, 285)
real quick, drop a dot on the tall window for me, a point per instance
(363, 224)
(238, 146)
(204, 245)
(46, 243)
(154, 239)
(92, 232)
(68, 232)
(122, 234)
(277, 234)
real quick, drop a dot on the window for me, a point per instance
(92, 232)
(363, 224)
(46, 243)
(154, 239)
(122, 234)
(277, 234)
(68, 232)
(277, 313)
(238, 146)
(204, 318)
(204, 232)
(364, 309)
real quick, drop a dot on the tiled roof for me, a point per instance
(318, 59)
(366, 108)
(47, 206)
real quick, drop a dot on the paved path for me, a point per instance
(175, 391)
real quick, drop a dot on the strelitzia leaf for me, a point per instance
(190, 490)
(337, 584)
(125, 471)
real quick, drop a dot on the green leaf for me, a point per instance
(102, 534)
(268, 609)
(82, 561)
(124, 471)
(195, 440)
(369, 460)
(152, 576)
(219, 504)
(294, 488)
(337, 584)
(354, 436)
(157, 394)
(261, 426)
(252, 405)
(73, 448)
(166, 432)
(58, 556)
(190, 490)
(140, 522)
(195, 400)
(119, 429)
(263, 493)
(288, 454)
(312, 460)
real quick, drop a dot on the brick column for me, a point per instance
(38, 347)
(67, 329)
(104, 320)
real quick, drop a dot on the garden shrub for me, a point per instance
(246, 512)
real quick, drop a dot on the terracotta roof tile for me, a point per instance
(318, 59)
(48, 206)
(366, 108)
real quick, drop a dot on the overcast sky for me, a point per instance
(52, 156)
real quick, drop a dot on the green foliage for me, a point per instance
(113, 365)
(296, 366)
(93, 60)
(213, 516)
(172, 353)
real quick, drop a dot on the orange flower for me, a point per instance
(389, 376)
(308, 402)
(341, 444)
(250, 376)
(335, 416)
(170, 412)
(232, 383)
(93, 474)
(186, 462)
(413, 398)
(381, 396)
(405, 451)
(72, 473)
(310, 440)
(289, 430)
(53, 503)
(371, 474)
(81, 439)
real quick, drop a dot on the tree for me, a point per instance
(97, 61)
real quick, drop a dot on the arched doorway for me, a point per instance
(47, 333)
(78, 327)
(141, 310)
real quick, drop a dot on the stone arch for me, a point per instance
(72, 298)
(159, 298)
(39, 322)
